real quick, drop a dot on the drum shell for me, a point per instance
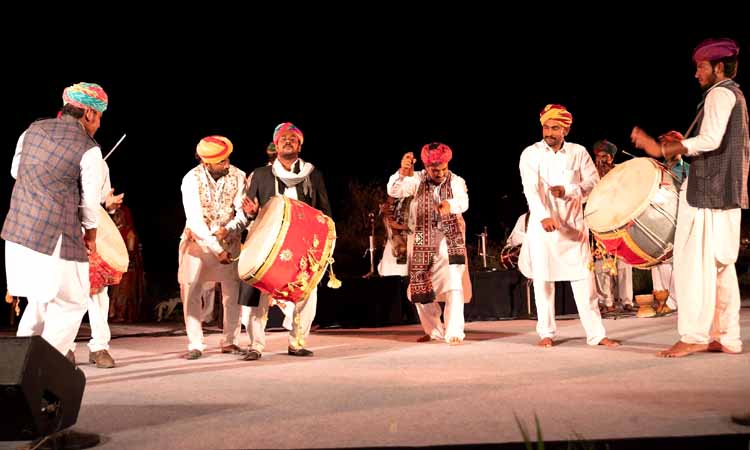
(297, 260)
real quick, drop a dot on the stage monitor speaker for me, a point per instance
(40, 390)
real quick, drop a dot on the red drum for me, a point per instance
(110, 260)
(632, 212)
(287, 250)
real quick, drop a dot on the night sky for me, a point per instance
(362, 97)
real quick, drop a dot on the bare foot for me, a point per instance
(681, 349)
(424, 338)
(607, 342)
(454, 341)
(715, 346)
(546, 343)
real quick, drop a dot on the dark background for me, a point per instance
(363, 94)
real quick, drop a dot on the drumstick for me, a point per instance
(113, 148)
(629, 154)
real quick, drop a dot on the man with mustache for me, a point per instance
(437, 242)
(288, 175)
(212, 195)
(707, 238)
(557, 177)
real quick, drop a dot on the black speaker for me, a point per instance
(40, 390)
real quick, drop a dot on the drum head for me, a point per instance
(262, 236)
(109, 243)
(622, 195)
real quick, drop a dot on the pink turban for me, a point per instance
(715, 49)
(214, 149)
(286, 127)
(558, 113)
(436, 153)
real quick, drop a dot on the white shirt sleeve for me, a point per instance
(519, 232)
(239, 221)
(460, 201)
(17, 157)
(106, 183)
(589, 178)
(194, 214)
(528, 166)
(716, 111)
(401, 187)
(91, 185)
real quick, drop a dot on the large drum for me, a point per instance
(110, 260)
(632, 212)
(287, 249)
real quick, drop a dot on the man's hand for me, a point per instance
(444, 208)
(224, 257)
(250, 207)
(221, 233)
(407, 164)
(645, 142)
(113, 202)
(189, 235)
(550, 224)
(557, 191)
(671, 136)
(89, 240)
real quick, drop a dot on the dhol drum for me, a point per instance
(110, 260)
(287, 250)
(632, 212)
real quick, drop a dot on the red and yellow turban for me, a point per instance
(436, 153)
(86, 95)
(286, 127)
(214, 149)
(558, 113)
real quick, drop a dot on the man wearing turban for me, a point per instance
(212, 195)
(557, 177)
(288, 175)
(613, 276)
(436, 247)
(57, 167)
(707, 237)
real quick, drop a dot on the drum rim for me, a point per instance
(254, 277)
(637, 212)
(115, 253)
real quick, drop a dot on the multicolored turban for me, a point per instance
(558, 113)
(286, 127)
(436, 153)
(86, 95)
(214, 149)
(715, 49)
(605, 146)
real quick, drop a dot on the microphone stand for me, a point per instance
(372, 273)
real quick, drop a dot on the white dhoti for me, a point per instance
(708, 295)
(198, 266)
(451, 285)
(57, 291)
(301, 313)
(624, 282)
(603, 284)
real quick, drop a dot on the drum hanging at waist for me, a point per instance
(111, 259)
(632, 212)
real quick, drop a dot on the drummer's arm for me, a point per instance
(194, 215)
(240, 219)
(91, 183)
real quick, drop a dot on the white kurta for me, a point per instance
(562, 254)
(518, 237)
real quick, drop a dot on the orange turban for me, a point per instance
(214, 149)
(558, 113)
